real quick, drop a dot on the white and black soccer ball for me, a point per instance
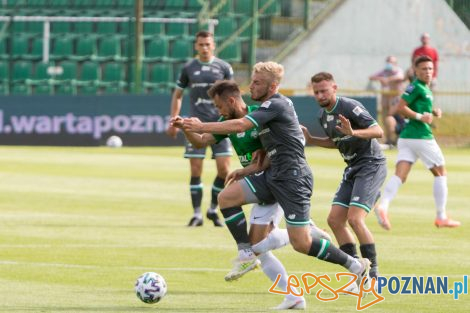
(150, 287)
(114, 142)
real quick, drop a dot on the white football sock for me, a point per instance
(390, 191)
(440, 196)
(272, 267)
(276, 239)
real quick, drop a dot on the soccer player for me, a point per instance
(199, 74)
(417, 142)
(264, 234)
(288, 179)
(353, 131)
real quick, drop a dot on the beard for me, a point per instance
(261, 97)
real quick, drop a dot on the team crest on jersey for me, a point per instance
(329, 118)
(357, 110)
(266, 104)
(197, 73)
(241, 135)
(205, 68)
(409, 89)
(254, 134)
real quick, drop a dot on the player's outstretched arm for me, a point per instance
(175, 109)
(324, 142)
(226, 127)
(196, 139)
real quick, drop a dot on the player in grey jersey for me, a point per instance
(352, 130)
(199, 75)
(288, 180)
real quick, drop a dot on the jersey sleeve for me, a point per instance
(183, 79)
(266, 112)
(411, 94)
(228, 72)
(360, 116)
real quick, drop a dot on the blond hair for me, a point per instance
(273, 69)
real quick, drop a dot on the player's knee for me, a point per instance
(333, 222)
(356, 222)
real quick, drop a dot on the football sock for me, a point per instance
(368, 251)
(196, 187)
(390, 191)
(272, 267)
(325, 251)
(350, 249)
(217, 187)
(236, 223)
(277, 238)
(440, 196)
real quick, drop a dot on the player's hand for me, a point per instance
(234, 176)
(172, 131)
(427, 118)
(177, 121)
(305, 131)
(345, 126)
(192, 124)
(437, 112)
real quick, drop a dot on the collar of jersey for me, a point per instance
(337, 99)
(211, 60)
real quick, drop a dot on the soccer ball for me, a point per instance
(150, 287)
(114, 142)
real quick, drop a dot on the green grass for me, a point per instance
(79, 225)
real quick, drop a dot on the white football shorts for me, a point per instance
(425, 149)
(265, 214)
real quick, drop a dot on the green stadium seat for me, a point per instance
(43, 89)
(3, 48)
(226, 27)
(127, 28)
(41, 75)
(35, 27)
(104, 4)
(176, 29)
(19, 26)
(226, 8)
(83, 4)
(154, 29)
(36, 50)
(156, 50)
(61, 27)
(69, 72)
(143, 75)
(65, 88)
(113, 89)
(129, 4)
(113, 75)
(20, 46)
(161, 75)
(88, 90)
(129, 47)
(232, 52)
(175, 5)
(36, 3)
(109, 49)
(20, 89)
(193, 5)
(60, 4)
(62, 48)
(181, 49)
(85, 48)
(243, 7)
(21, 71)
(4, 90)
(4, 72)
(106, 28)
(83, 27)
(89, 74)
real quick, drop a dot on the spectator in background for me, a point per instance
(391, 78)
(426, 49)
(199, 75)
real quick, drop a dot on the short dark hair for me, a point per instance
(421, 59)
(319, 77)
(224, 88)
(204, 34)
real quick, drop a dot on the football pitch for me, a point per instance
(79, 225)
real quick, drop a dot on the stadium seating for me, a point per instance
(96, 57)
